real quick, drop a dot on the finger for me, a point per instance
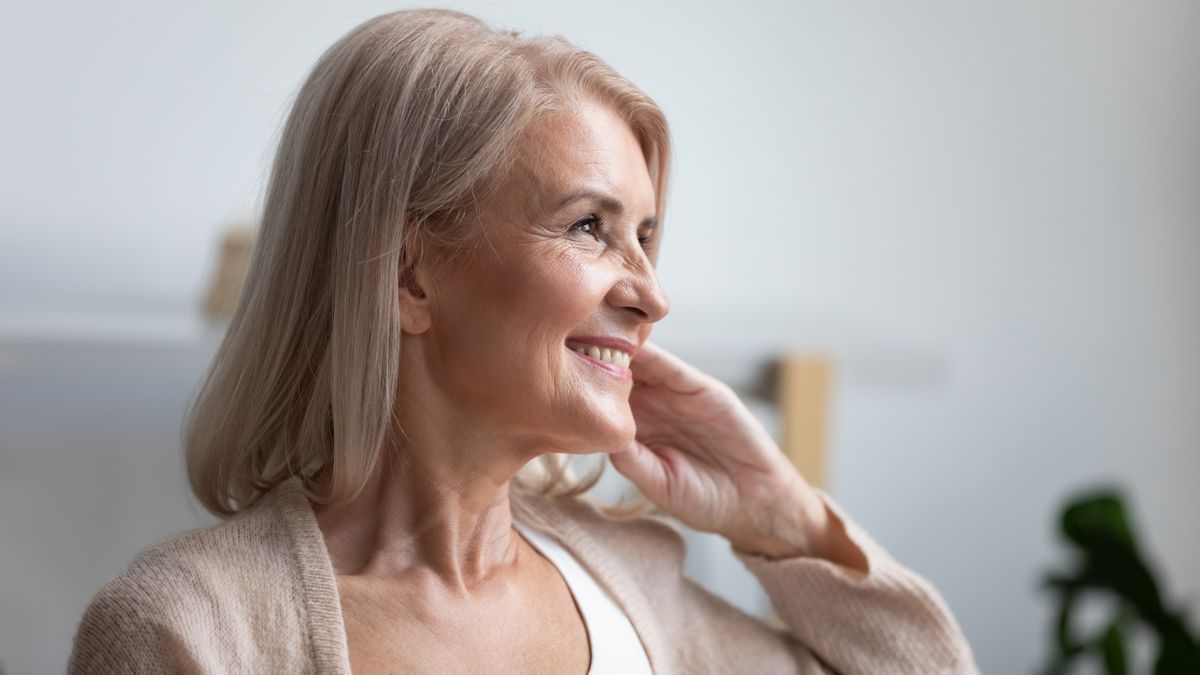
(637, 463)
(656, 366)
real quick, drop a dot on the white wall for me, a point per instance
(990, 214)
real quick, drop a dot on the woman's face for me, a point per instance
(568, 262)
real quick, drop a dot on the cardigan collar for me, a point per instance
(322, 604)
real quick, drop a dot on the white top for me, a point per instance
(615, 646)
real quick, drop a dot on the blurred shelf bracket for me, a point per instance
(800, 385)
(233, 262)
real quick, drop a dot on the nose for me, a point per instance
(639, 293)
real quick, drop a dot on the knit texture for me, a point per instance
(257, 593)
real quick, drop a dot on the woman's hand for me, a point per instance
(702, 457)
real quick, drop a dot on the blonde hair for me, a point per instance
(399, 128)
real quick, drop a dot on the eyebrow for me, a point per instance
(607, 203)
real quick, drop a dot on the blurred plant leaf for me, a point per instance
(1114, 651)
(1096, 525)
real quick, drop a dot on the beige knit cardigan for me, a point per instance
(257, 594)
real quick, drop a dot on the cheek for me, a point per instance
(509, 352)
(514, 320)
(563, 299)
(561, 296)
(566, 281)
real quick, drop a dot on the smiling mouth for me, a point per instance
(608, 355)
(621, 372)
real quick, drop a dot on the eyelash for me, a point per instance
(599, 222)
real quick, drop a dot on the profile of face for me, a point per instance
(569, 257)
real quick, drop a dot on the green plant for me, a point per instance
(1109, 563)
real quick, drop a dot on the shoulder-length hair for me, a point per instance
(398, 129)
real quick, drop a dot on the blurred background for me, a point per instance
(985, 218)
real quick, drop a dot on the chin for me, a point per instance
(608, 428)
(613, 440)
(620, 441)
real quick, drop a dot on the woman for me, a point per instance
(453, 289)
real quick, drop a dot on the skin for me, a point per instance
(427, 560)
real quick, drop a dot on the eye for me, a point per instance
(593, 222)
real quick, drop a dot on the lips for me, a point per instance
(606, 355)
(619, 372)
(603, 341)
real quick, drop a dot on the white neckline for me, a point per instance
(613, 643)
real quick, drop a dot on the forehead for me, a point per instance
(588, 146)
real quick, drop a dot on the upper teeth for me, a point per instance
(605, 354)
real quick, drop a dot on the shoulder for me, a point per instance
(210, 563)
(196, 594)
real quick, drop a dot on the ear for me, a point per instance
(415, 315)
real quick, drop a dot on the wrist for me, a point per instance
(825, 537)
(772, 549)
(794, 524)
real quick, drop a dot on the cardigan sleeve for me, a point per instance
(116, 635)
(886, 620)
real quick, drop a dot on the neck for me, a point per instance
(439, 504)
